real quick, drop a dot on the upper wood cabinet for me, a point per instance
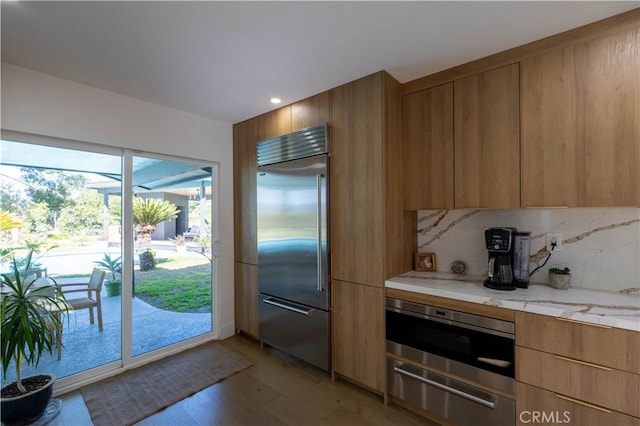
(487, 139)
(427, 148)
(275, 123)
(245, 137)
(310, 112)
(581, 124)
(368, 234)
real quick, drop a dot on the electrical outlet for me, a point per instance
(554, 238)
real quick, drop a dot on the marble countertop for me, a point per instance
(615, 309)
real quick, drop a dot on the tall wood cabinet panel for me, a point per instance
(370, 233)
(487, 139)
(581, 124)
(245, 137)
(358, 345)
(357, 216)
(427, 144)
(310, 112)
(246, 298)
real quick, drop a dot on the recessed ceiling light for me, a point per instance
(276, 100)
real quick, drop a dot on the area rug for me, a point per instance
(136, 394)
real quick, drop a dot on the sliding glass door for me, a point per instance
(147, 221)
(171, 215)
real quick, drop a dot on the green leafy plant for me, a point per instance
(27, 319)
(560, 271)
(113, 266)
(147, 214)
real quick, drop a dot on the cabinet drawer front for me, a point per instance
(588, 382)
(535, 405)
(611, 347)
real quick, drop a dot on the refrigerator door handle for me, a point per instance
(319, 225)
(271, 301)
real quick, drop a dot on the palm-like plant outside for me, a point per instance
(147, 214)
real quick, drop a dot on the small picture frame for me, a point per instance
(425, 262)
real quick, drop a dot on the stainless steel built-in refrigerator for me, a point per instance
(293, 245)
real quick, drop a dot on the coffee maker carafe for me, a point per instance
(499, 243)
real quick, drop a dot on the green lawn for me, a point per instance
(180, 284)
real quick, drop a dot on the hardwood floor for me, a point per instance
(276, 390)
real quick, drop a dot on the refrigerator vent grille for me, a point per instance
(300, 144)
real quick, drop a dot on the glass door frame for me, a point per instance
(127, 361)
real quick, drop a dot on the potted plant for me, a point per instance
(560, 278)
(181, 243)
(31, 317)
(113, 285)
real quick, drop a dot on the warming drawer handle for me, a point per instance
(270, 301)
(446, 388)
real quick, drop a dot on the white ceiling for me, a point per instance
(224, 60)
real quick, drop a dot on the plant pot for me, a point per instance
(559, 281)
(114, 288)
(23, 409)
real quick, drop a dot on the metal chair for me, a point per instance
(93, 289)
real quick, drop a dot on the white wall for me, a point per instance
(42, 104)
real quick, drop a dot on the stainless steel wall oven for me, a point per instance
(476, 348)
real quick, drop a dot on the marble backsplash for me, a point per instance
(600, 245)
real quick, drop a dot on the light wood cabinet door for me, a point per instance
(427, 148)
(533, 403)
(275, 123)
(358, 333)
(310, 112)
(608, 346)
(357, 184)
(245, 137)
(604, 386)
(246, 298)
(487, 139)
(581, 124)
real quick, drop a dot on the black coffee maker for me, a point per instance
(499, 243)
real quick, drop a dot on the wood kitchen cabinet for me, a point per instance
(246, 135)
(245, 138)
(358, 340)
(559, 409)
(371, 235)
(311, 112)
(427, 148)
(581, 125)
(487, 139)
(274, 123)
(589, 370)
(246, 298)
(369, 229)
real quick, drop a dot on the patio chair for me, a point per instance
(54, 330)
(92, 289)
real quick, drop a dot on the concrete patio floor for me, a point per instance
(85, 347)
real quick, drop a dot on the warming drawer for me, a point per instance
(446, 397)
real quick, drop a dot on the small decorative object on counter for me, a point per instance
(459, 267)
(425, 262)
(559, 278)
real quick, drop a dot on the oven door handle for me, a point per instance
(445, 388)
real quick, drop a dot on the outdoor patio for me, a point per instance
(85, 347)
